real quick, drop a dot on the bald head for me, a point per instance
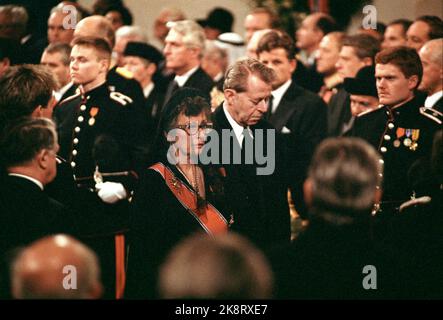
(96, 26)
(56, 267)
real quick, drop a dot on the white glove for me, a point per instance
(111, 192)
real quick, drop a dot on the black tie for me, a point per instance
(173, 86)
(269, 111)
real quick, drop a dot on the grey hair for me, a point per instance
(193, 34)
(345, 173)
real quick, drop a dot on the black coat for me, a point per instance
(26, 214)
(258, 202)
(388, 131)
(158, 223)
(114, 140)
(339, 112)
(300, 120)
(199, 80)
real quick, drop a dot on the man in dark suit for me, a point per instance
(299, 116)
(56, 57)
(184, 46)
(256, 195)
(28, 151)
(431, 57)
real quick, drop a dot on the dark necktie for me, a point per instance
(268, 113)
(171, 89)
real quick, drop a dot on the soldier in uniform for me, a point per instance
(100, 136)
(119, 79)
(401, 128)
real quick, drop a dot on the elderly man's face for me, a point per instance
(432, 71)
(177, 54)
(247, 108)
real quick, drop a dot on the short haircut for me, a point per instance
(23, 139)
(100, 45)
(123, 11)
(63, 48)
(277, 39)
(365, 46)
(224, 267)
(345, 173)
(435, 26)
(404, 23)
(237, 75)
(193, 34)
(406, 59)
(23, 88)
(274, 20)
(326, 23)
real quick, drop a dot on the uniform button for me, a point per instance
(80, 119)
(77, 129)
(383, 149)
(75, 141)
(82, 107)
(388, 113)
(74, 152)
(387, 137)
(73, 164)
(381, 161)
(391, 125)
(380, 175)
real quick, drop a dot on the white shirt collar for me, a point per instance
(181, 80)
(148, 89)
(238, 129)
(432, 100)
(59, 93)
(218, 77)
(278, 93)
(38, 183)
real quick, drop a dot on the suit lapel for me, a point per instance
(285, 109)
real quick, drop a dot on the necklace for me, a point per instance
(194, 184)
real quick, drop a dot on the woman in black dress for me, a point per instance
(177, 196)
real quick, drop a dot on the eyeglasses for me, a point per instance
(193, 128)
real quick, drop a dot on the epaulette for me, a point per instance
(432, 114)
(125, 73)
(414, 202)
(120, 98)
(77, 93)
(369, 111)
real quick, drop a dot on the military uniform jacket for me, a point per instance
(402, 136)
(101, 128)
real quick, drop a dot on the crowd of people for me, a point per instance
(175, 171)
